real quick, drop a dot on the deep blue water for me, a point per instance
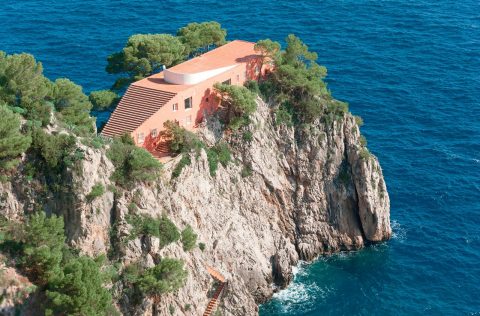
(411, 69)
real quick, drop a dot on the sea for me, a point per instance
(410, 68)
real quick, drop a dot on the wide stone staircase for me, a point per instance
(214, 301)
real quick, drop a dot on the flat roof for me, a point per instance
(234, 52)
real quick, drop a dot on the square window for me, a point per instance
(188, 120)
(238, 78)
(140, 138)
(188, 103)
(175, 107)
(154, 132)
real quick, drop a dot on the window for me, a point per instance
(188, 120)
(238, 78)
(229, 81)
(206, 99)
(245, 75)
(140, 138)
(175, 107)
(257, 70)
(154, 132)
(188, 103)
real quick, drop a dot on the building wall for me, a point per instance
(204, 101)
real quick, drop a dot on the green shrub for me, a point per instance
(163, 228)
(96, 142)
(364, 153)
(182, 163)
(189, 238)
(246, 172)
(97, 191)
(253, 86)
(103, 99)
(212, 157)
(283, 116)
(166, 277)
(79, 290)
(239, 102)
(171, 309)
(43, 245)
(363, 141)
(247, 136)
(187, 307)
(182, 141)
(12, 141)
(201, 246)
(218, 153)
(358, 120)
(132, 163)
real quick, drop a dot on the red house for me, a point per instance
(183, 93)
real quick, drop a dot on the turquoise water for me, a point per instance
(411, 69)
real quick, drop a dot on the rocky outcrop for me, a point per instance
(292, 194)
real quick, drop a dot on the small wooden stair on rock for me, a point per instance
(212, 305)
(162, 149)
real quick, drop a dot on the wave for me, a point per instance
(300, 297)
(398, 232)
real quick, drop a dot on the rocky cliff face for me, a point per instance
(307, 192)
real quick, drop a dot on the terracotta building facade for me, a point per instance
(183, 93)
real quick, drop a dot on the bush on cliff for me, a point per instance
(189, 238)
(166, 277)
(198, 37)
(12, 141)
(239, 103)
(131, 162)
(24, 87)
(79, 290)
(72, 284)
(162, 228)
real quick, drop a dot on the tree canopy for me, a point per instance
(79, 291)
(143, 55)
(198, 37)
(239, 102)
(167, 276)
(103, 99)
(12, 141)
(269, 51)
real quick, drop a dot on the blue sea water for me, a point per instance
(411, 69)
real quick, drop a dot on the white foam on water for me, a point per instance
(398, 232)
(300, 297)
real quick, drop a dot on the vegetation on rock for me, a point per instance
(131, 162)
(198, 37)
(189, 238)
(103, 99)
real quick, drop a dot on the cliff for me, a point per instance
(293, 193)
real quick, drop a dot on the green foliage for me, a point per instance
(283, 116)
(23, 85)
(189, 238)
(143, 55)
(198, 37)
(79, 291)
(57, 151)
(131, 162)
(218, 153)
(187, 307)
(166, 277)
(239, 102)
(43, 245)
(162, 228)
(247, 136)
(364, 153)
(246, 172)
(93, 141)
(97, 191)
(363, 141)
(297, 79)
(358, 120)
(201, 246)
(171, 309)
(269, 51)
(103, 99)
(12, 141)
(73, 106)
(253, 86)
(182, 163)
(182, 141)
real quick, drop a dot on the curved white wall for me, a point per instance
(192, 78)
